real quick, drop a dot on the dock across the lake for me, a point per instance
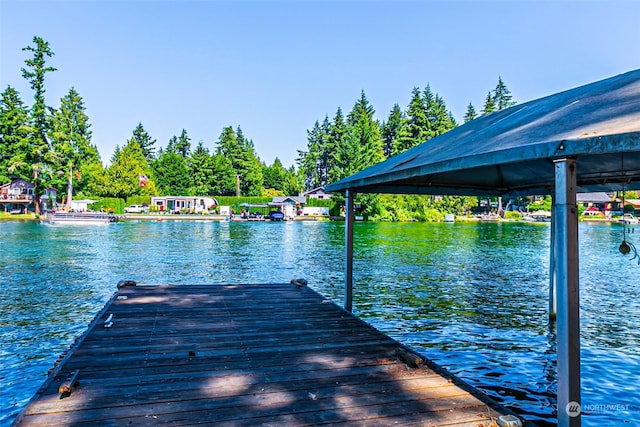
(246, 355)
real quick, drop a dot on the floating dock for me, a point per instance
(245, 355)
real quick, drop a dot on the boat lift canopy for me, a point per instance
(585, 139)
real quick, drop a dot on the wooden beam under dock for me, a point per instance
(272, 354)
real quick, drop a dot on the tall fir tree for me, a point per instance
(362, 145)
(39, 153)
(416, 130)
(225, 176)
(440, 119)
(489, 104)
(144, 140)
(274, 176)
(171, 176)
(77, 160)
(334, 133)
(391, 130)
(309, 161)
(502, 97)
(183, 144)
(470, 114)
(15, 131)
(201, 171)
(244, 160)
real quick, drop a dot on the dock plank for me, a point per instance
(245, 355)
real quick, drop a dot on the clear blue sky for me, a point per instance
(275, 67)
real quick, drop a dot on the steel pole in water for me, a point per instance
(553, 306)
(567, 288)
(348, 257)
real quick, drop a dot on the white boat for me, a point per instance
(69, 217)
(77, 218)
(629, 219)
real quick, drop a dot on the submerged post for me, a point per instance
(348, 256)
(567, 288)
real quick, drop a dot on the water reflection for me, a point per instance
(472, 297)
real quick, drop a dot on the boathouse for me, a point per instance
(585, 139)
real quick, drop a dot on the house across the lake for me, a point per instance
(289, 205)
(597, 204)
(183, 204)
(16, 196)
(318, 193)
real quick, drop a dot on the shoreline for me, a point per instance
(223, 218)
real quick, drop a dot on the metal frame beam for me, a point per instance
(567, 289)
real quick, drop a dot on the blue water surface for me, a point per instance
(473, 297)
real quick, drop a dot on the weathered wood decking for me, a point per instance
(243, 355)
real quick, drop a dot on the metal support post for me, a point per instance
(348, 256)
(553, 306)
(567, 284)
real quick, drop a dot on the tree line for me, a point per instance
(343, 146)
(52, 147)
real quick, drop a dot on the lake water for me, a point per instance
(472, 297)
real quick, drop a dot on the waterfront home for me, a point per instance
(48, 200)
(183, 204)
(317, 193)
(289, 205)
(596, 204)
(17, 195)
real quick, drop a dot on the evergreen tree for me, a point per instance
(14, 137)
(39, 152)
(362, 145)
(416, 130)
(127, 166)
(440, 119)
(244, 161)
(171, 175)
(144, 140)
(333, 132)
(183, 144)
(489, 104)
(502, 96)
(171, 146)
(309, 161)
(225, 176)
(274, 176)
(76, 158)
(293, 182)
(34, 74)
(470, 114)
(200, 166)
(391, 130)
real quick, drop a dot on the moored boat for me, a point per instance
(77, 218)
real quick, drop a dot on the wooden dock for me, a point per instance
(244, 355)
